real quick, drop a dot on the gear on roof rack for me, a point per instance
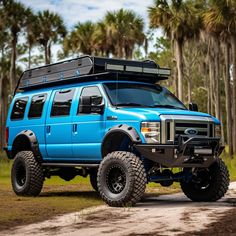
(87, 68)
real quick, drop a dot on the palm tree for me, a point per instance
(80, 40)
(83, 37)
(220, 21)
(125, 30)
(179, 21)
(102, 42)
(51, 29)
(15, 18)
(32, 31)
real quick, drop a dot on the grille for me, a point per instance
(201, 128)
(174, 125)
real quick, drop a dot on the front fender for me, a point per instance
(119, 130)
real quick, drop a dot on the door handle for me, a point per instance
(74, 128)
(48, 129)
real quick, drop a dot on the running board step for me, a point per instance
(70, 165)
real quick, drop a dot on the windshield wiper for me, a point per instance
(169, 106)
(132, 104)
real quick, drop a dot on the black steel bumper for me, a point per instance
(195, 152)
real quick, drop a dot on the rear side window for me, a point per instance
(18, 110)
(62, 103)
(36, 106)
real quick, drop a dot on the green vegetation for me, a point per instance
(58, 197)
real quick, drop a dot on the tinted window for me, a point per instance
(133, 95)
(36, 106)
(62, 103)
(18, 110)
(91, 92)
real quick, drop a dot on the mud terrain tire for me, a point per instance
(216, 187)
(26, 175)
(121, 179)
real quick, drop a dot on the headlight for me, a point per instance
(151, 131)
(217, 131)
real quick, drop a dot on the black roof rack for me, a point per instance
(88, 68)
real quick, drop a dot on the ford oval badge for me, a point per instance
(191, 131)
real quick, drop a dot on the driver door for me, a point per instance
(88, 129)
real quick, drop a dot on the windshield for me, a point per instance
(143, 95)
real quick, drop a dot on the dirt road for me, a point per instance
(164, 215)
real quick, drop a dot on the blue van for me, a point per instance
(111, 120)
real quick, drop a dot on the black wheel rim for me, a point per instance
(20, 174)
(116, 179)
(202, 179)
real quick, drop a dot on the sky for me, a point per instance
(74, 11)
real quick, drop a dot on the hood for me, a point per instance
(155, 113)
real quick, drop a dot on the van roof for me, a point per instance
(88, 68)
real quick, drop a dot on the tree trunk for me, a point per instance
(50, 53)
(29, 57)
(179, 60)
(228, 100)
(217, 78)
(46, 54)
(211, 77)
(120, 49)
(233, 44)
(13, 65)
(4, 109)
(175, 81)
(189, 91)
(1, 106)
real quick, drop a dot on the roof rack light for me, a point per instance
(115, 67)
(134, 69)
(163, 72)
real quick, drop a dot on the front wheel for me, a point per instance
(121, 179)
(207, 184)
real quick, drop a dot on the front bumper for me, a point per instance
(195, 152)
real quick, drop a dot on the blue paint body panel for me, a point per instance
(79, 137)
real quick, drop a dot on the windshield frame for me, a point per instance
(106, 89)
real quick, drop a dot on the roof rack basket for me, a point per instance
(89, 68)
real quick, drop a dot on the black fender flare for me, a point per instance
(125, 129)
(31, 138)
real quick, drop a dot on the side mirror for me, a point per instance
(193, 107)
(91, 104)
(9, 98)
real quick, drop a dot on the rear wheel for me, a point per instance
(26, 175)
(207, 184)
(121, 179)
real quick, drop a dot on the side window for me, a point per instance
(36, 106)
(18, 110)
(62, 103)
(91, 91)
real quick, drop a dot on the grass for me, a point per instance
(60, 197)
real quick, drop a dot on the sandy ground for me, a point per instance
(165, 215)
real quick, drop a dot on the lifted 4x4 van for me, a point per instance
(110, 119)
